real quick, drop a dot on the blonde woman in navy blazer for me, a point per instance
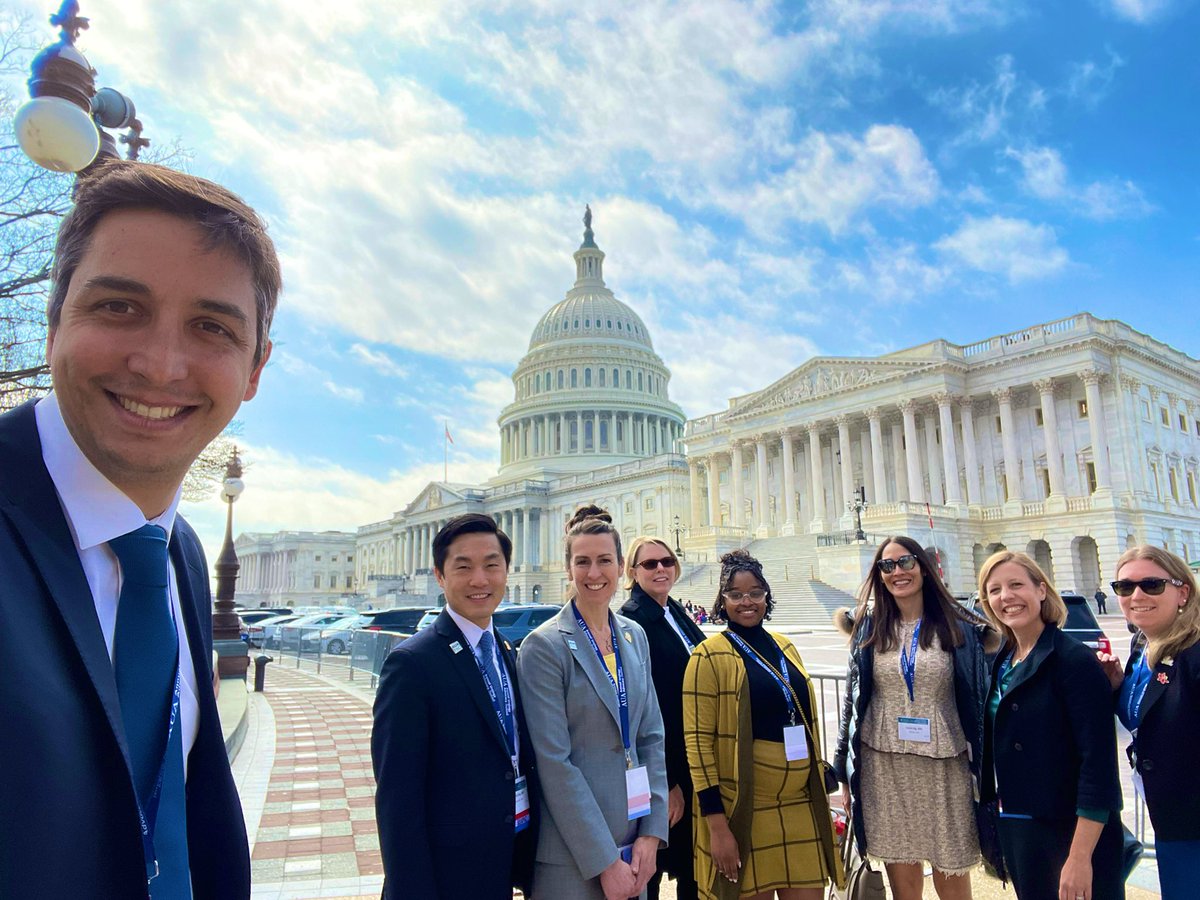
(574, 720)
(1159, 702)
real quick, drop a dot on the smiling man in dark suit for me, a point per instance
(456, 794)
(116, 782)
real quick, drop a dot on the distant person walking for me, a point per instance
(1101, 608)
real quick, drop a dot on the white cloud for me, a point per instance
(342, 392)
(307, 374)
(1140, 11)
(892, 272)
(1045, 176)
(1089, 81)
(1014, 248)
(380, 362)
(989, 111)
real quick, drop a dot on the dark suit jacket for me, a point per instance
(1165, 749)
(445, 792)
(1053, 742)
(70, 825)
(668, 661)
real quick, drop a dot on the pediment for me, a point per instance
(818, 378)
(434, 496)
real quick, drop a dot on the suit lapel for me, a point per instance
(1041, 651)
(1155, 689)
(463, 662)
(581, 648)
(31, 502)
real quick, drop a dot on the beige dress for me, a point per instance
(916, 796)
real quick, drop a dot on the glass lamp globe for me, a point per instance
(56, 134)
(232, 488)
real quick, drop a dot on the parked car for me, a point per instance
(334, 638)
(253, 616)
(292, 632)
(515, 622)
(1082, 624)
(428, 619)
(402, 619)
(265, 633)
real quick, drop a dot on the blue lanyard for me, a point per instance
(781, 677)
(148, 814)
(908, 662)
(619, 683)
(1137, 692)
(504, 712)
(677, 628)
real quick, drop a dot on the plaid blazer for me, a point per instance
(720, 747)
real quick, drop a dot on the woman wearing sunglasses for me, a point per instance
(911, 736)
(1050, 754)
(1159, 702)
(651, 568)
(763, 827)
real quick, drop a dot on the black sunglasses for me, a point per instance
(1151, 586)
(905, 562)
(651, 564)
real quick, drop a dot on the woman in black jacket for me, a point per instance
(1159, 702)
(650, 572)
(909, 751)
(1050, 753)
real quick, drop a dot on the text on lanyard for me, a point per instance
(908, 663)
(618, 683)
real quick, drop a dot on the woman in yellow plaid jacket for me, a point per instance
(763, 826)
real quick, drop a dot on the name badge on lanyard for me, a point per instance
(502, 703)
(637, 779)
(795, 737)
(521, 819)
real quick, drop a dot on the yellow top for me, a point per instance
(610, 660)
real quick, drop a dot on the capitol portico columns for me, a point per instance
(912, 460)
(694, 489)
(1008, 439)
(789, 484)
(880, 494)
(1091, 383)
(933, 461)
(527, 540)
(761, 504)
(817, 481)
(847, 467)
(737, 507)
(1057, 499)
(966, 413)
(949, 451)
(714, 490)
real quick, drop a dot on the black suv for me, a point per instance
(1082, 624)
(515, 622)
(401, 619)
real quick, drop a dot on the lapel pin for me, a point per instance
(507, 645)
(571, 644)
(628, 636)
(456, 646)
(1163, 679)
(1168, 661)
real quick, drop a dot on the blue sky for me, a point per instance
(769, 180)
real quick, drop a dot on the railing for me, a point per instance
(720, 531)
(842, 538)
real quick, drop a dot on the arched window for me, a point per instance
(587, 323)
(574, 378)
(560, 379)
(616, 378)
(587, 434)
(537, 382)
(603, 433)
(628, 380)
(602, 374)
(547, 380)
(576, 323)
(587, 377)
(618, 324)
(610, 324)
(640, 387)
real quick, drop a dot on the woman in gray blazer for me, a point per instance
(596, 731)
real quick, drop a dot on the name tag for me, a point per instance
(521, 819)
(914, 729)
(637, 792)
(795, 743)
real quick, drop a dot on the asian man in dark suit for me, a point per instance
(456, 786)
(116, 781)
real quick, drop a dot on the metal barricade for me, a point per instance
(368, 650)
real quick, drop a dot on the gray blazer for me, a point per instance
(574, 724)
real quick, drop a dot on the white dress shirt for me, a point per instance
(96, 512)
(473, 633)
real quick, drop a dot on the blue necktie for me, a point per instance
(487, 659)
(145, 660)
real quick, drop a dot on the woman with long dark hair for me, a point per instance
(763, 827)
(911, 736)
(596, 731)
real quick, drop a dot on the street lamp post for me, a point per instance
(233, 655)
(678, 528)
(61, 128)
(856, 506)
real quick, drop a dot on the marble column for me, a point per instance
(694, 491)
(789, 483)
(966, 414)
(868, 470)
(1054, 465)
(762, 505)
(878, 467)
(1008, 439)
(527, 540)
(1091, 383)
(817, 479)
(949, 451)
(933, 462)
(912, 451)
(898, 462)
(714, 489)
(737, 506)
(1135, 441)
(847, 467)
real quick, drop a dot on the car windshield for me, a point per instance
(428, 619)
(1080, 618)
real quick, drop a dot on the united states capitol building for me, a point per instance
(1070, 440)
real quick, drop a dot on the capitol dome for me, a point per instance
(590, 391)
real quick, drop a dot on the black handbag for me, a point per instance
(863, 881)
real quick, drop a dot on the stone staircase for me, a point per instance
(790, 564)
